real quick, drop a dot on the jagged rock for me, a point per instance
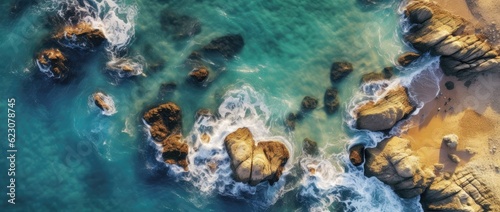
(339, 70)
(228, 45)
(180, 26)
(53, 63)
(393, 163)
(357, 154)
(252, 163)
(165, 123)
(310, 147)
(449, 85)
(451, 140)
(407, 58)
(386, 112)
(104, 102)
(81, 36)
(309, 103)
(331, 100)
(464, 54)
(199, 74)
(290, 120)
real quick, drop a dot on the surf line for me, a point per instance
(11, 150)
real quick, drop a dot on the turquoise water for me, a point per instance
(73, 158)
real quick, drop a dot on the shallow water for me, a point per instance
(72, 157)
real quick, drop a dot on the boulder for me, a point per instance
(407, 58)
(384, 113)
(199, 74)
(81, 36)
(393, 163)
(451, 140)
(165, 126)
(178, 25)
(252, 163)
(104, 102)
(310, 147)
(309, 103)
(449, 85)
(331, 100)
(357, 154)
(228, 45)
(290, 120)
(464, 53)
(339, 70)
(52, 62)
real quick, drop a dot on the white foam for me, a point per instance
(119, 65)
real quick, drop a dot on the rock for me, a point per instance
(449, 85)
(451, 140)
(53, 63)
(331, 100)
(439, 166)
(386, 112)
(464, 53)
(290, 120)
(228, 45)
(166, 88)
(357, 154)
(104, 102)
(203, 113)
(470, 151)
(199, 74)
(180, 26)
(309, 103)
(393, 163)
(454, 158)
(82, 36)
(339, 70)
(388, 72)
(310, 147)
(165, 123)
(372, 76)
(407, 58)
(124, 67)
(252, 163)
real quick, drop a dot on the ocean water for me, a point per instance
(72, 157)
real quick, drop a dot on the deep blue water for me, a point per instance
(71, 157)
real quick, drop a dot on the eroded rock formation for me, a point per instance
(52, 62)
(81, 35)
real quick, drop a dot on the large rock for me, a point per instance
(308, 103)
(52, 62)
(165, 123)
(407, 58)
(104, 102)
(178, 25)
(228, 45)
(81, 36)
(386, 112)
(339, 70)
(199, 74)
(252, 163)
(463, 53)
(393, 163)
(357, 154)
(310, 147)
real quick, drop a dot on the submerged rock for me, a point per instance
(407, 58)
(199, 74)
(124, 67)
(309, 103)
(331, 100)
(357, 154)
(290, 120)
(52, 62)
(104, 102)
(464, 54)
(339, 70)
(310, 147)
(165, 123)
(81, 36)
(228, 45)
(384, 113)
(252, 163)
(180, 26)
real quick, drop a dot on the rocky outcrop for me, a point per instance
(393, 163)
(165, 125)
(386, 74)
(463, 53)
(199, 74)
(407, 58)
(104, 102)
(124, 67)
(228, 45)
(308, 103)
(178, 25)
(357, 154)
(81, 36)
(252, 163)
(339, 70)
(52, 62)
(310, 147)
(384, 113)
(331, 100)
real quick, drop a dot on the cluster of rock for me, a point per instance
(395, 164)
(252, 163)
(463, 52)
